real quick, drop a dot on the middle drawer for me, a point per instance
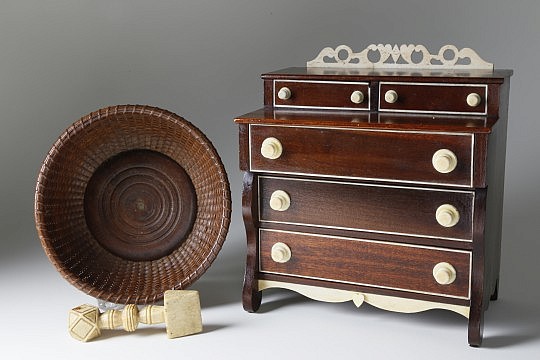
(411, 211)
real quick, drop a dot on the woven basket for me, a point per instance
(131, 201)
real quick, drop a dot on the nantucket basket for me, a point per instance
(132, 201)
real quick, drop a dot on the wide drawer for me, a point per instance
(421, 212)
(321, 94)
(419, 269)
(402, 156)
(435, 98)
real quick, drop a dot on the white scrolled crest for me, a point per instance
(404, 56)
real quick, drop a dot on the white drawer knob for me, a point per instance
(280, 200)
(391, 96)
(271, 148)
(357, 97)
(281, 253)
(444, 273)
(447, 215)
(284, 93)
(444, 161)
(473, 99)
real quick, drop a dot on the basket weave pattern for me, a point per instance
(59, 203)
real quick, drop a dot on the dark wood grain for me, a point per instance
(480, 159)
(432, 98)
(366, 262)
(397, 156)
(140, 205)
(251, 296)
(321, 94)
(479, 278)
(487, 250)
(376, 208)
(371, 121)
(491, 78)
(496, 160)
(243, 154)
(496, 102)
(268, 93)
(364, 234)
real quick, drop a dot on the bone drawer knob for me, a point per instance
(447, 215)
(271, 148)
(280, 200)
(281, 253)
(284, 93)
(391, 96)
(473, 99)
(181, 314)
(357, 97)
(444, 273)
(444, 161)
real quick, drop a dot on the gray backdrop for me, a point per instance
(61, 59)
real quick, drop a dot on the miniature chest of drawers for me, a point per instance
(383, 187)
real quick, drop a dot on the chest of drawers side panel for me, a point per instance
(479, 280)
(488, 222)
(497, 102)
(487, 249)
(251, 297)
(496, 161)
(243, 146)
(268, 93)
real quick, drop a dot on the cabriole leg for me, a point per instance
(251, 296)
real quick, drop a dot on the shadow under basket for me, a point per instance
(132, 201)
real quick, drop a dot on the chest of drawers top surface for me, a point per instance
(316, 73)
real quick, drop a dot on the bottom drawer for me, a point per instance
(413, 268)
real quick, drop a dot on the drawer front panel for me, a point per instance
(322, 94)
(437, 98)
(372, 208)
(365, 262)
(360, 154)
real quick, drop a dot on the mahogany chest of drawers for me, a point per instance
(383, 187)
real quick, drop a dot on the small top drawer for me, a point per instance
(306, 94)
(433, 98)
